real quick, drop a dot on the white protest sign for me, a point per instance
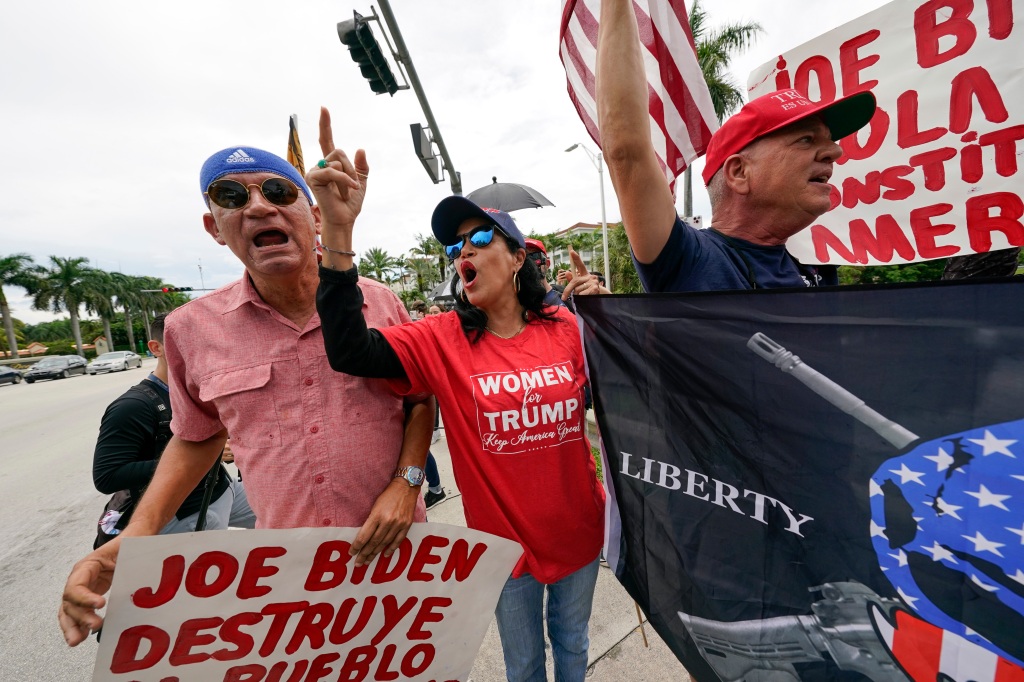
(289, 605)
(937, 172)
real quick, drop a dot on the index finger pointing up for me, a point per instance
(326, 134)
(578, 265)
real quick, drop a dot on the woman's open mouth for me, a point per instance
(468, 273)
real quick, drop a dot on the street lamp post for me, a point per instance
(598, 161)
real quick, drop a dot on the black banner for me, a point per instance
(824, 484)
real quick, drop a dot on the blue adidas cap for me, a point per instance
(248, 160)
(452, 210)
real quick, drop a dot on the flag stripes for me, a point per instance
(924, 651)
(682, 116)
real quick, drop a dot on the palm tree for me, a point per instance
(64, 286)
(423, 270)
(19, 335)
(129, 299)
(427, 246)
(18, 270)
(99, 300)
(623, 271)
(376, 263)
(715, 50)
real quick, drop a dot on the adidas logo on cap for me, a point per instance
(240, 156)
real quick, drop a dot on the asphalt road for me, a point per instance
(48, 515)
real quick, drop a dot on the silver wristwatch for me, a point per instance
(412, 475)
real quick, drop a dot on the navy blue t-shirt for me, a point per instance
(704, 260)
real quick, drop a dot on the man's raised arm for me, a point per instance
(645, 201)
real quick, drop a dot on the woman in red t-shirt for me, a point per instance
(508, 374)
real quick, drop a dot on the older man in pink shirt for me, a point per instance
(316, 447)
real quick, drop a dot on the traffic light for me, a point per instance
(171, 290)
(365, 51)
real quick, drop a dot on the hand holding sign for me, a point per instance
(83, 593)
(388, 523)
(582, 281)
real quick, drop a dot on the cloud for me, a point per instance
(111, 109)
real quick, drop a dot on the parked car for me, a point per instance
(57, 367)
(9, 375)
(116, 361)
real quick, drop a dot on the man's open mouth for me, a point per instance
(823, 178)
(270, 238)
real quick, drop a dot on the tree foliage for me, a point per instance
(715, 50)
(64, 286)
(17, 269)
(929, 271)
(380, 265)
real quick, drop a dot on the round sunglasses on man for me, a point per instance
(233, 194)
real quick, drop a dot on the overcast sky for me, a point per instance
(109, 110)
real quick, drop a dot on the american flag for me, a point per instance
(682, 115)
(947, 526)
(924, 652)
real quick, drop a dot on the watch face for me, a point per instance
(414, 476)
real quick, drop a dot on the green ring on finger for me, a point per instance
(322, 163)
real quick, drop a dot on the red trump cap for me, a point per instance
(778, 109)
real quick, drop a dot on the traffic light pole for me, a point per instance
(414, 81)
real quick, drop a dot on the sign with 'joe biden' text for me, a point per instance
(271, 605)
(937, 171)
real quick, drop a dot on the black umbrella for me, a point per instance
(442, 293)
(507, 196)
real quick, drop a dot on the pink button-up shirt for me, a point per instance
(315, 447)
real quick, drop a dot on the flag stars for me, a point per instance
(901, 558)
(874, 488)
(940, 553)
(991, 445)
(906, 474)
(942, 460)
(983, 544)
(1018, 531)
(877, 531)
(907, 599)
(986, 498)
(947, 508)
(1019, 577)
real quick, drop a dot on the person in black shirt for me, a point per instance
(133, 433)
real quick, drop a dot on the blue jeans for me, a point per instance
(520, 616)
(433, 475)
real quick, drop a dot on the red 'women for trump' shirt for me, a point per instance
(513, 415)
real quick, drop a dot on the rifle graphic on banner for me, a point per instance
(857, 628)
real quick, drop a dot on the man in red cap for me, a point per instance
(767, 172)
(538, 253)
